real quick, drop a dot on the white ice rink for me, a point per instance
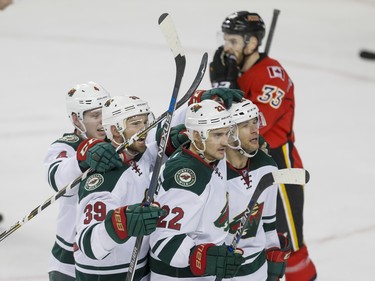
(48, 46)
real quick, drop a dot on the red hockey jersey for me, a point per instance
(269, 86)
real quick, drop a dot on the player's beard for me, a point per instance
(138, 147)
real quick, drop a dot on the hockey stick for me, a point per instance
(283, 176)
(185, 98)
(169, 31)
(61, 192)
(276, 13)
(367, 55)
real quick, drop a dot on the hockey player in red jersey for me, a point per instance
(238, 64)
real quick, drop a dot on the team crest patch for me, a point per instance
(185, 177)
(93, 182)
(69, 138)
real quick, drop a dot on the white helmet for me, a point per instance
(85, 97)
(245, 110)
(120, 108)
(204, 116)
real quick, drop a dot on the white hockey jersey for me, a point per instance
(97, 252)
(194, 194)
(260, 233)
(62, 168)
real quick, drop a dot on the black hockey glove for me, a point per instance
(224, 70)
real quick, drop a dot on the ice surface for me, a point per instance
(46, 47)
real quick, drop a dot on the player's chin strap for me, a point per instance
(239, 148)
(81, 133)
(201, 151)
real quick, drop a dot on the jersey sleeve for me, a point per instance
(92, 237)
(269, 217)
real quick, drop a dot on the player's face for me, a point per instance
(216, 143)
(134, 125)
(92, 119)
(234, 44)
(248, 133)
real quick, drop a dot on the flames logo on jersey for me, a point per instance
(223, 220)
(251, 227)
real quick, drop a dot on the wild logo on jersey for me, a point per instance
(251, 227)
(223, 220)
(69, 138)
(185, 177)
(93, 182)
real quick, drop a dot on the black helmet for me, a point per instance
(244, 23)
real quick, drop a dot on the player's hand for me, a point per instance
(177, 137)
(224, 70)
(277, 259)
(98, 155)
(224, 96)
(209, 259)
(132, 220)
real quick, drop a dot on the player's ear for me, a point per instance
(252, 45)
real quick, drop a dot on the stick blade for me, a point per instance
(367, 54)
(168, 28)
(291, 176)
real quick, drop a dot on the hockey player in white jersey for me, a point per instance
(188, 241)
(246, 165)
(83, 103)
(110, 215)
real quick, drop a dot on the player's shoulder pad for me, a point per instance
(261, 159)
(100, 182)
(186, 173)
(70, 139)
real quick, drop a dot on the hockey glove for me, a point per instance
(208, 259)
(277, 259)
(222, 95)
(224, 70)
(133, 220)
(98, 155)
(176, 138)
